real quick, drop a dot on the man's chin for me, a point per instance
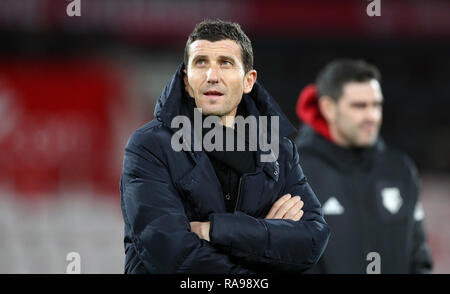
(366, 143)
(216, 112)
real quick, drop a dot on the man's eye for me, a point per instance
(227, 62)
(200, 62)
(359, 105)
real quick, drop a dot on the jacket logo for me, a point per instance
(332, 207)
(392, 200)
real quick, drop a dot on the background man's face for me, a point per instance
(215, 76)
(359, 113)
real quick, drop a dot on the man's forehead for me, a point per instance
(222, 47)
(363, 90)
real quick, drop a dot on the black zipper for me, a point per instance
(239, 193)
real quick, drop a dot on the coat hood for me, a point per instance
(308, 111)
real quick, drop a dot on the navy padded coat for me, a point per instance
(162, 190)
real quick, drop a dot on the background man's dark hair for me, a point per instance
(217, 30)
(332, 78)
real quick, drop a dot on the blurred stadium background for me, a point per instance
(72, 89)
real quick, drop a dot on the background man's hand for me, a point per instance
(287, 207)
(201, 229)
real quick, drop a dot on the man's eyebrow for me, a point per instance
(199, 57)
(220, 57)
(228, 57)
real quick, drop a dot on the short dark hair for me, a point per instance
(217, 30)
(334, 75)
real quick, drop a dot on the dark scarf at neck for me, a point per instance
(240, 161)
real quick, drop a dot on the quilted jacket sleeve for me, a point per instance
(155, 219)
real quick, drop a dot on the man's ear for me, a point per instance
(327, 107)
(249, 80)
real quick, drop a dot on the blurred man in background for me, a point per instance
(220, 210)
(368, 190)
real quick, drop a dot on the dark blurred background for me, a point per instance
(72, 89)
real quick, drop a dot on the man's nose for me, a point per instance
(212, 75)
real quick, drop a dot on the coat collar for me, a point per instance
(345, 159)
(259, 102)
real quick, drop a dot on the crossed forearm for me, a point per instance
(287, 207)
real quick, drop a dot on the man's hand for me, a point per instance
(201, 229)
(287, 207)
